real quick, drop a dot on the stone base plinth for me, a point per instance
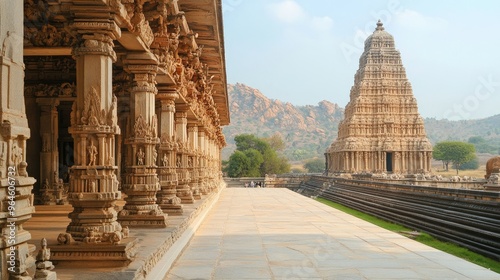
(187, 199)
(185, 194)
(144, 221)
(46, 275)
(197, 194)
(204, 190)
(81, 254)
(493, 188)
(43, 271)
(171, 209)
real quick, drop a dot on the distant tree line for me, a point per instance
(315, 165)
(491, 146)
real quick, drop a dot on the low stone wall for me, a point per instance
(290, 181)
(270, 181)
(316, 185)
(240, 182)
(454, 182)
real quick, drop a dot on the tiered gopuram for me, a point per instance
(382, 130)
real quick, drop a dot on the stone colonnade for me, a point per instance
(162, 149)
(400, 162)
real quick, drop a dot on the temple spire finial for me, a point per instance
(380, 25)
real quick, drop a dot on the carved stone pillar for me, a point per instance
(167, 196)
(141, 181)
(49, 155)
(220, 146)
(209, 163)
(93, 184)
(183, 189)
(193, 159)
(208, 158)
(15, 185)
(202, 179)
(429, 158)
(213, 164)
(397, 162)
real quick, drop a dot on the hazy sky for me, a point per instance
(305, 51)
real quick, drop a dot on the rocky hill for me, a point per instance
(309, 130)
(306, 130)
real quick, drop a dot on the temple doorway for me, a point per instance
(388, 161)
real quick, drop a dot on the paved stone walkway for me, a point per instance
(279, 234)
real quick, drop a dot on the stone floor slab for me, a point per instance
(278, 234)
(155, 254)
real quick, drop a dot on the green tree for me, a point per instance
(255, 160)
(470, 165)
(276, 142)
(482, 145)
(315, 165)
(238, 164)
(250, 141)
(455, 152)
(438, 153)
(255, 157)
(274, 164)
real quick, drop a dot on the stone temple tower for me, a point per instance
(382, 130)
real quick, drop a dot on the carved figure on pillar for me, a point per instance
(155, 156)
(140, 157)
(92, 149)
(165, 160)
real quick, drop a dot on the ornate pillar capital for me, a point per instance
(192, 127)
(95, 38)
(181, 115)
(167, 105)
(167, 94)
(52, 102)
(144, 67)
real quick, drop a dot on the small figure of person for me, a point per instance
(252, 184)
